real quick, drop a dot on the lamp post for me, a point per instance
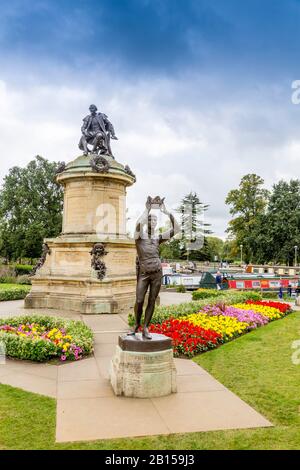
(241, 247)
(296, 250)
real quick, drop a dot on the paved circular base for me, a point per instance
(138, 343)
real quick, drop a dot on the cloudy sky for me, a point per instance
(199, 91)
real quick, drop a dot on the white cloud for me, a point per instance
(176, 139)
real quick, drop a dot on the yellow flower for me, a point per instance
(224, 325)
(270, 312)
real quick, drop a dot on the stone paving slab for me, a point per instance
(105, 322)
(86, 369)
(97, 388)
(209, 410)
(104, 350)
(198, 383)
(103, 364)
(107, 337)
(47, 371)
(106, 418)
(31, 383)
(174, 298)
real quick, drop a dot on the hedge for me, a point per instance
(41, 349)
(163, 312)
(21, 269)
(13, 291)
(206, 293)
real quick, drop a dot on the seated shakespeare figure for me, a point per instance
(97, 131)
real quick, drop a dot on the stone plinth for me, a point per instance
(94, 212)
(143, 368)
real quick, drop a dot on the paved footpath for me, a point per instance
(87, 408)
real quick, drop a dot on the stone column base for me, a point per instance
(146, 373)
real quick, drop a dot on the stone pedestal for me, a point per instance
(94, 212)
(143, 368)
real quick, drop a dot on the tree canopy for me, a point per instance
(247, 205)
(31, 205)
(267, 223)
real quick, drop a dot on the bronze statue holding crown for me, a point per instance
(149, 270)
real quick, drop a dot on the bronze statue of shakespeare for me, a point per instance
(97, 131)
(149, 270)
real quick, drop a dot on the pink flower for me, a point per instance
(63, 357)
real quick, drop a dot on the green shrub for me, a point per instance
(38, 349)
(21, 269)
(13, 291)
(270, 295)
(181, 289)
(164, 312)
(24, 280)
(205, 293)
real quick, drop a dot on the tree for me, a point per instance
(230, 251)
(170, 250)
(193, 227)
(215, 248)
(31, 205)
(278, 231)
(248, 203)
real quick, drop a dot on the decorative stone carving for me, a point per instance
(99, 164)
(97, 264)
(45, 251)
(129, 172)
(61, 167)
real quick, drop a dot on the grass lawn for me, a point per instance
(257, 367)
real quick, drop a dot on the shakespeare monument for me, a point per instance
(90, 266)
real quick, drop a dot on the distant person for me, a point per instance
(280, 293)
(290, 290)
(219, 280)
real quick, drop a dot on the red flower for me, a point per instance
(187, 338)
(281, 306)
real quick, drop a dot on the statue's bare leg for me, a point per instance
(154, 291)
(141, 289)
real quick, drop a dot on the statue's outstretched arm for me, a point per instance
(175, 228)
(142, 220)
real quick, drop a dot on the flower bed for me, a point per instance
(216, 324)
(40, 338)
(165, 312)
